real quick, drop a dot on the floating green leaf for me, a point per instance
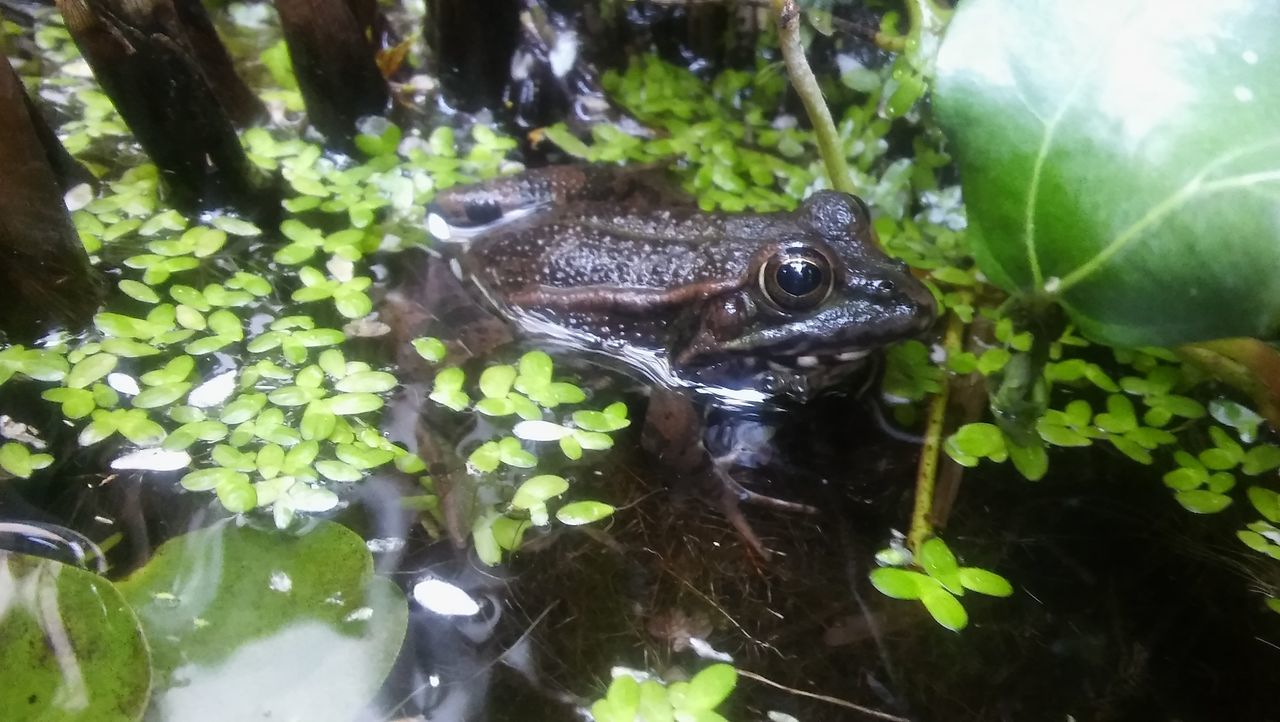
(709, 687)
(538, 490)
(583, 512)
(486, 544)
(1151, 216)
(985, 582)
(76, 403)
(431, 349)
(938, 561)
(897, 583)
(363, 457)
(1203, 501)
(237, 495)
(162, 395)
(206, 479)
(318, 422)
(16, 459)
(139, 291)
(486, 457)
(273, 599)
(496, 407)
(66, 618)
(354, 403)
(496, 381)
(944, 607)
(226, 324)
(1266, 501)
(511, 453)
(338, 471)
(570, 447)
(366, 381)
(291, 396)
(599, 421)
(91, 369)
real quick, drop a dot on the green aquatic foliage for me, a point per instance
(288, 596)
(226, 351)
(1138, 194)
(1263, 536)
(59, 618)
(17, 460)
(629, 699)
(529, 407)
(1143, 216)
(166, 644)
(1143, 406)
(726, 141)
(939, 585)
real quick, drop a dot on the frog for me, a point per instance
(729, 318)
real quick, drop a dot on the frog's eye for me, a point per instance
(796, 279)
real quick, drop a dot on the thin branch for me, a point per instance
(823, 698)
(802, 79)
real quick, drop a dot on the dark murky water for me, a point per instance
(1127, 608)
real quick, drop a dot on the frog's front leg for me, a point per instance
(676, 433)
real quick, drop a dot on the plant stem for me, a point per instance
(926, 16)
(926, 21)
(927, 470)
(787, 15)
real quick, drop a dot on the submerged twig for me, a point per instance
(787, 15)
(822, 697)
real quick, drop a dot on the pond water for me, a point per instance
(394, 594)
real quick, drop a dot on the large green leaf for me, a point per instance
(73, 650)
(1122, 157)
(246, 624)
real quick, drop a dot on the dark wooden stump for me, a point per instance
(44, 271)
(143, 56)
(334, 61)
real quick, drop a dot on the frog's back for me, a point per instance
(578, 247)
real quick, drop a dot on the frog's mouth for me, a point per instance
(817, 361)
(791, 378)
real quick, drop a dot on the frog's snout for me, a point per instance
(924, 305)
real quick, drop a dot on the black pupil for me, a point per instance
(799, 277)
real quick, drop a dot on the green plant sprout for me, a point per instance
(941, 584)
(651, 700)
(521, 396)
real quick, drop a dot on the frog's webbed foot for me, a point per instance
(672, 432)
(746, 443)
(745, 495)
(733, 512)
(733, 494)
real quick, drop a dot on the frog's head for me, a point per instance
(819, 294)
